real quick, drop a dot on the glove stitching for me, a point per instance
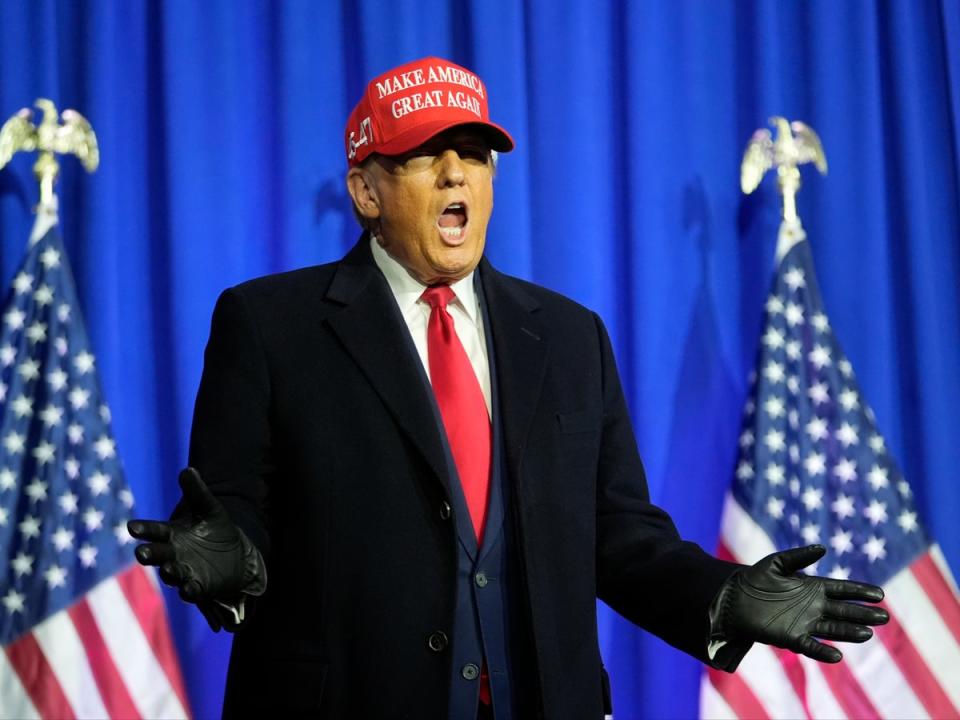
(811, 597)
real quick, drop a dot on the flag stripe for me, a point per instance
(845, 689)
(723, 553)
(713, 706)
(38, 679)
(141, 671)
(914, 669)
(762, 671)
(151, 575)
(941, 562)
(16, 703)
(738, 695)
(823, 705)
(63, 649)
(881, 680)
(147, 604)
(926, 633)
(795, 675)
(114, 693)
(742, 535)
(941, 596)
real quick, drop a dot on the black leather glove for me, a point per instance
(769, 603)
(203, 554)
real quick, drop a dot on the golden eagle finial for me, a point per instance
(49, 138)
(796, 144)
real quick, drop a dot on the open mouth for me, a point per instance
(453, 221)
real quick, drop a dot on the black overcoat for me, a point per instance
(314, 428)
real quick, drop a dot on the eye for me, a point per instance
(474, 152)
(419, 153)
(413, 161)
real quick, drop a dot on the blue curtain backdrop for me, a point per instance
(220, 127)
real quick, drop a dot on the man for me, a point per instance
(419, 474)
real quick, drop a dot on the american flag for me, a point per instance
(814, 468)
(83, 627)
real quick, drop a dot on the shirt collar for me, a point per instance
(407, 289)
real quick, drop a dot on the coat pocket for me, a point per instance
(579, 421)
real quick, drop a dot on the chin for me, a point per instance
(446, 275)
(455, 268)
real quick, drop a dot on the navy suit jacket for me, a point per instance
(314, 428)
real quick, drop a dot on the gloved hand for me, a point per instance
(769, 603)
(201, 554)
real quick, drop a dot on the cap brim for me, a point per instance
(498, 138)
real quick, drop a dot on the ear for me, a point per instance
(360, 187)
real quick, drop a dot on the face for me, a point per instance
(432, 204)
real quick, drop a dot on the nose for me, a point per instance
(451, 169)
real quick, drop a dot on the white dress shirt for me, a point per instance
(465, 311)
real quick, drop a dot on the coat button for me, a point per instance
(470, 671)
(437, 641)
(481, 579)
(445, 511)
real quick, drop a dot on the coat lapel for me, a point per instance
(373, 333)
(521, 345)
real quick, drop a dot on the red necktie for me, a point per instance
(461, 404)
(464, 414)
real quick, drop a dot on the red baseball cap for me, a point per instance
(408, 105)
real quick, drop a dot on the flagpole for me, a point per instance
(47, 216)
